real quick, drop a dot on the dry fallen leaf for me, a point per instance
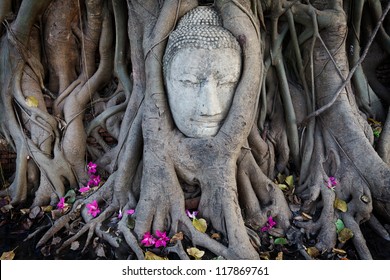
(7, 256)
(195, 252)
(6, 208)
(345, 234)
(313, 252)
(216, 236)
(340, 205)
(177, 237)
(149, 256)
(56, 240)
(34, 212)
(280, 256)
(339, 251)
(100, 251)
(307, 216)
(75, 245)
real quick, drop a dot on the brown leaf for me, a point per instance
(313, 252)
(216, 236)
(56, 240)
(7, 256)
(177, 237)
(149, 256)
(280, 256)
(6, 208)
(265, 256)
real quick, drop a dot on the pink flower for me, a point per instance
(91, 167)
(93, 208)
(84, 189)
(128, 212)
(192, 215)
(148, 239)
(94, 180)
(162, 239)
(332, 182)
(61, 204)
(270, 224)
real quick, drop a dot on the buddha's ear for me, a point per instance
(239, 20)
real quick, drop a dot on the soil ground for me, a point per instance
(20, 232)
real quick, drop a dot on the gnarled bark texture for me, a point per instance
(83, 82)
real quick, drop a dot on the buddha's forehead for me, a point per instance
(198, 61)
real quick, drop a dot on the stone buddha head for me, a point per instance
(202, 66)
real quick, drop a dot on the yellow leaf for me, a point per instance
(200, 224)
(339, 251)
(345, 234)
(307, 216)
(7, 256)
(265, 256)
(341, 205)
(47, 209)
(195, 252)
(290, 181)
(374, 121)
(32, 101)
(283, 187)
(149, 256)
(280, 256)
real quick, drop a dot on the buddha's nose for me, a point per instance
(209, 104)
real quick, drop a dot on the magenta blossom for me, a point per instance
(192, 215)
(84, 189)
(61, 204)
(128, 212)
(270, 224)
(91, 167)
(148, 239)
(162, 239)
(332, 182)
(93, 208)
(94, 180)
